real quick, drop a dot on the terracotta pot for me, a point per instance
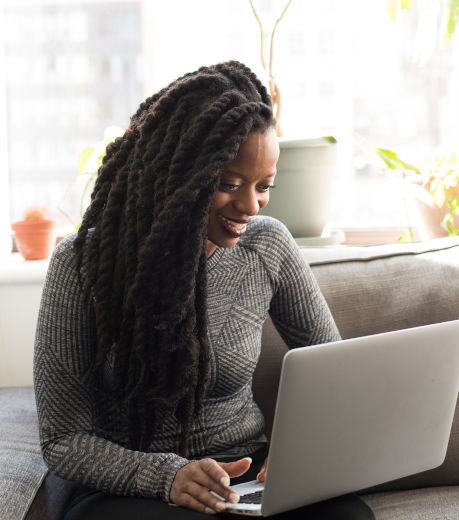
(428, 216)
(35, 239)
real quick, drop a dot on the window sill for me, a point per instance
(15, 270)
(373, 236)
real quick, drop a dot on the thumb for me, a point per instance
(236, 468)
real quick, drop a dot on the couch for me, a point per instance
(369, 290)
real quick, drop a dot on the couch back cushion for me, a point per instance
(396, 286)
(376, 289)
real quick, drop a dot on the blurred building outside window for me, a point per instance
(71, 69)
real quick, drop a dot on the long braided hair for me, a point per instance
(144, 266)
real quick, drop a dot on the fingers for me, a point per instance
(217, 480)
(200, 499)
(215, 471)
(238, 467)
(194, 481)
(261, 477)
(192, 503)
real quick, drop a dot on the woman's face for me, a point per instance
(244, 189)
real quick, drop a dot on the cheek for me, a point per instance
(219, 200)
(262, 201)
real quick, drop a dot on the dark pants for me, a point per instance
(87, 504)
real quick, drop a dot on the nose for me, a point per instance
(248, 202)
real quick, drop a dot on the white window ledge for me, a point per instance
(15, 270)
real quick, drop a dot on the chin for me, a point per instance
(227, 242)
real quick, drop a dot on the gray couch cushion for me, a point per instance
(21, 465)
(379, 288)
(419, 504)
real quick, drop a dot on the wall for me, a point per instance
(21, 285)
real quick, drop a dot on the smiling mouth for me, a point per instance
(233, 227)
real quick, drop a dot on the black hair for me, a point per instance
(145, 263)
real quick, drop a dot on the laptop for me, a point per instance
(358, 412)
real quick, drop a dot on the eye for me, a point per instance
(266, 187)
(228, 186)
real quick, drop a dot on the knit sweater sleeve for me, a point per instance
(71, 447)
(298, 308)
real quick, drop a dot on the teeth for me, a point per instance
(234, 225)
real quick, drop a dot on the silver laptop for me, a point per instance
(359, 412)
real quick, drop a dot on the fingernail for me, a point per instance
(220, 506)
(225, 481)
(209, 511)
(234, 498)
(248, 458)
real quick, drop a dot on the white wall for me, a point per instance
(21, 284)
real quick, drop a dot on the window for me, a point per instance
(72, 69)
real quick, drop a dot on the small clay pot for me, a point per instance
(428, 215)
(35, 239)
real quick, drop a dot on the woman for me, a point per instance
(150, 323)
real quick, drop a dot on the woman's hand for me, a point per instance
(262, 473)
(194, 481)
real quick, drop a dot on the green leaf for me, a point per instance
(454, 205)
(453, 17)
(101, 156)
(393, 161)
(84, 156)
(406, 236)
(438, 191)
(448, 224)
(406, 5)
(391, 7)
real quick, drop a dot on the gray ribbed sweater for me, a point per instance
(79, 435)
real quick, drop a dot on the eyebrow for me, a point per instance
(242, 176)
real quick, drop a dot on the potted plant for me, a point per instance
(430, 186)
(433, 191)
(302, 198)
(35, 235)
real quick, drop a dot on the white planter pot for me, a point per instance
(302, 197)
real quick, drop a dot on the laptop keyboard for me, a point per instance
(252, 498)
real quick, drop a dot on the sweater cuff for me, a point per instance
(155, 477)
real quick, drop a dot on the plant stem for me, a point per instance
(88, 186)
(262, 53)
(273, 88)
(405, 206)
(272, 38)
(67, 191)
